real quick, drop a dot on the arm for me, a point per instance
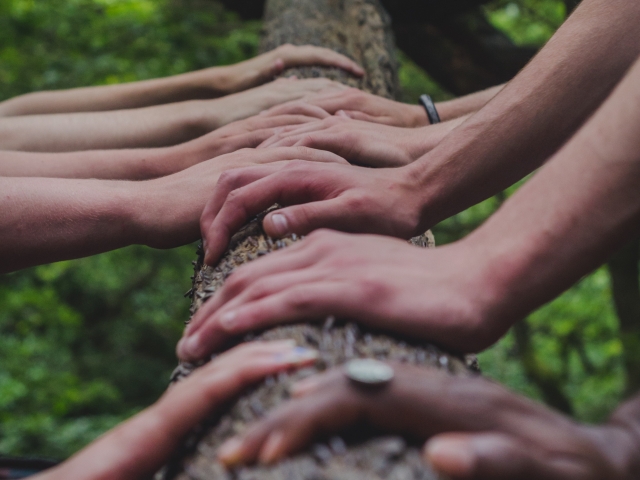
(155, 126)
(145, 163)
(208, 83)
(475, 429)
(50, 219)
(510, 137)
(137, 448)
(574, 213)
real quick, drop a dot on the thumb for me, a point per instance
(303, 219)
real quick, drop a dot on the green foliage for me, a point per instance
(527, 22)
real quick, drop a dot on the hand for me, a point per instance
(440, 295)
(247, 133)
(477, 429)
(341, 197)
(363, 143)
(265, 67)
(166, 210)
(251, 102)
(360, 105)
(137, 448)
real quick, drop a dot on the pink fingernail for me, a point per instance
(230, 452)
(227, 321)
(191, 345)
(272, 448)
(453, 457)
(280, 224)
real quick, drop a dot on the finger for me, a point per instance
(312, 301)
(312, 55)
(496, 456)
(295, 424)
(296, 107)
(304, 218)
(287, 260)
(365, 117)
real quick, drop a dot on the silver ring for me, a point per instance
(369, 372)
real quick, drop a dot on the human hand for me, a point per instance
(137, 448)
(255, 100)
(166, 210)
(443, 295)
(476, 428)
(360, 105)
(363, 143)
(266, 66)
(247, 133)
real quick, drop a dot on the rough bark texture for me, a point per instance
(360, 29)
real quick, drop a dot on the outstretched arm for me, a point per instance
(202, 84)
(137, 448)
(50, 219)
(156, 126)
(145, 163)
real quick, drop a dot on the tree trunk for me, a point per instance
(361, 30)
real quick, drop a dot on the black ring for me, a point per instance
(430, 108)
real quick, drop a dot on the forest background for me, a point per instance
(84, 344)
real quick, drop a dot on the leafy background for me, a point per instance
(85, 344)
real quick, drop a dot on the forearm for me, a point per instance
(144, 127)
(44, 220)
(201, 84)
(121, 164)
(535, 113)
(466, 105)
(424, 139)
(570, 216)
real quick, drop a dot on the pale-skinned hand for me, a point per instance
(137, 448)
(359, 105)
(266, 66)
(362, 143)
(167, 210)
(476, 429)
(439, 295)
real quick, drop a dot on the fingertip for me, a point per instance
(276, 225)
(342, 113)
(272, 450)
(451, 455)
(231, 452)
(278, 65)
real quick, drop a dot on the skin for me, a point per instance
(566, 221)
(476, 428)
(146, 163)
(208, 83)
(74, 218)
(154, 126)
(137, 448)
(359, 105)
(515, 133)
(364, 143)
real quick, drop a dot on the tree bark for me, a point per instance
(361, 30)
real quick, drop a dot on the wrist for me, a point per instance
(416, 116)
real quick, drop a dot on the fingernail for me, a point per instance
(227, 321)
(230, 452)
(272, 448)
(454, 457)
(191, 345)
(303, 387)
(280, 224)
(297, 355)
